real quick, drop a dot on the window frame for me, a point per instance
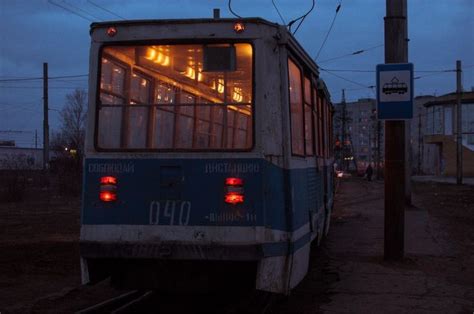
(300, 68)
(250, 136)
(308, 77)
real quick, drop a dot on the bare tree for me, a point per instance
(73, 118)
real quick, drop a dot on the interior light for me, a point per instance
(150, 54)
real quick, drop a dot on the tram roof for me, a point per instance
(256, 20)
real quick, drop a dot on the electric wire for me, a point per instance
(372, 71)
(70, 11)
(294, 21)
(229, 3)
(278, 11)
(106, 10)
(351, 54)
(302, 18)
(38, 87)
(40, 78)
(348, 80)
(82, 10)
(329, 30)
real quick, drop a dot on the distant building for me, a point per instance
(417, 133)
(15, 158)
(439, 153)
(432, 141)
(363, 134)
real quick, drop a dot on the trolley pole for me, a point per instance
(396, 51)
(45, 117)
(458, 124)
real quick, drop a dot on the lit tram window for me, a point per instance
(163, 97)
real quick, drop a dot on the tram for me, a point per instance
(208, 154)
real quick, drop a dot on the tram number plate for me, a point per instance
(170, 212)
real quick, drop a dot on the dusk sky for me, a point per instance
(37, 31)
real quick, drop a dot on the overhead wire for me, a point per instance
(40, 78)
(229, 3)
(329, 30)
(278, 11)
(347, 80)
(351, 54)
(106, 10)
(39, 87)
(82, 10)
(70, 11)
(302, 18)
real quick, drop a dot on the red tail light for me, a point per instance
(108, 180)
(234, 188)
(108, 189)
(234, 198)
(108, 196)
(234, 182)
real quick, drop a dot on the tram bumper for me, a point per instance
(105, 248)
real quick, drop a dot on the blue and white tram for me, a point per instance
(208, 143)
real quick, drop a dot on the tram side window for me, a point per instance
(296, 109)
(320, 128)
(330, 131)
(111, 93)
(315, 119)
(308, 119)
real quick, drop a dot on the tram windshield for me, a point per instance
(183, 97)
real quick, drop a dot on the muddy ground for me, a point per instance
(40, 253)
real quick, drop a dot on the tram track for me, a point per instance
(128, 302)
(151, 301)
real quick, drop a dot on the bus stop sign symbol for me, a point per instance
(395, 91)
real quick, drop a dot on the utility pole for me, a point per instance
(408, 162)
(36, 138)
(377, 153)
(458, 124)
(45, 118)
(396, 51)
(419, 142)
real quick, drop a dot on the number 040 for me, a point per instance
(167, 215)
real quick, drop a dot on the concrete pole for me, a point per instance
(458, 123)
(45, 118)
(396, 51)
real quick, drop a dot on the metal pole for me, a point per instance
(396, 51)
(458, 124)
(45, 118)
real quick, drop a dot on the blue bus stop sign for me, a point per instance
(395, 91)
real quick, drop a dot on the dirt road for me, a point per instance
(40, 256)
